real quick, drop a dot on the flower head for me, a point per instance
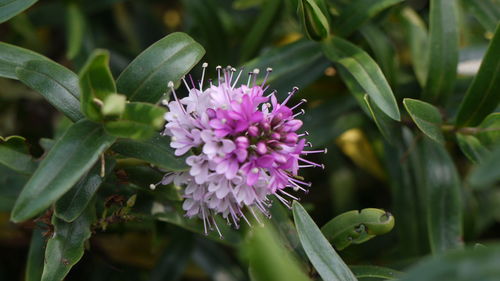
(246, 147)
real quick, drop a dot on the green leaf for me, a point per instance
(12, 56)
(269, 259)
(74, 202)
(57, 84)
(427, 118)
(34, 265)
(487, 172)
(75, 23)
(288, 63)
(139, 121)
(321, 254)
(73, 155)
(10, 8)
(170, 58)
(270, 11)
(366, 72)
(371, 271)
(314, 21)
(444, 207)
(483, 95)
(386, 126)
(156, 151)
(357, 13)
(472, 147)
(471, 264)
(357, 227)
(15, 157)
(443, 50)
(417, 37)
(96, 84)
(487, 12)
(175, 258)
(66, 247)
(489, 130)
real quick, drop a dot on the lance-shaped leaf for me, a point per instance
(417, 37)
(472, 148)
(489, 130)
(75, 22)
(156, 151)
(487, 12)
(15, 156)
(483, 95)
(357, 13)
(443, 50)
(10, 8)
(71, 157)
(57, 84)
(12, 56)
(139, 121)
(287, 62)
(387, 127)
(371, 271)
(34, 265)
(443, 188)
(479, 263)
(356, 227)
(366, 72)
(74, 202)
(314, 21)
(170, 58)
(427, 117)
(321, 254)
(66, 247)
(96, 84)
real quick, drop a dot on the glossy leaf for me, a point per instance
(175, 258)
(73, 155)
(371, 271)
(471, 264)
(75, 23)
(260, 29)
(366, 72)
(170, 58)
(356, 227)
(483, 95)
(57, 84)
(427, 118)
(314, 21)
(386, 126)
(10, 8)
(269, 260)
(15, 158)
(321, 254)
(444, 207)
(74, 202)
(489, 130)
(357, 13)
(443, 50)
(66, 247)
(138, 121)
(12, 56)
(34, 264)
(96, 84)
(156, 151)
(472, 148)
(287, 62)
(487, 12)
(417, 38)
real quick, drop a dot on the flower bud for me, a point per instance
(314, 20)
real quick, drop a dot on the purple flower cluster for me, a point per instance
(245, 147)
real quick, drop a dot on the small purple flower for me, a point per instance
(246, 147)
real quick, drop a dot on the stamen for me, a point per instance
(254, 215)
(218, 73)
(256, 72)
(325, 151)
(171, 86)
(289, 195)
(237, 78)
(306, 133)
(302, 111)
(217, 227)
(283, 200)
(290, 94)
(204, 222)
(310, 162)
(185, 83)
(268, 70)
(297, 105)
(204, 66)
